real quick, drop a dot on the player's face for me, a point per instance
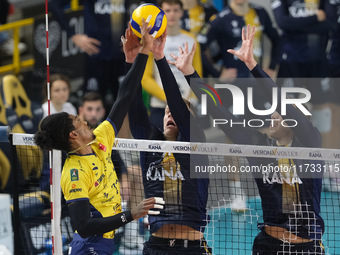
(83, 130)
(173, 13)
(59, 92)
(92, 112)
(169, 125)
(276, 129)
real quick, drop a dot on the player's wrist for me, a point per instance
(251, 64)
(158, 56)
(144, 50)
(188, 71)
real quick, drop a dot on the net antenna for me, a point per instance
(54, 164)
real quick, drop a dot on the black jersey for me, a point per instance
(167, 175)
(292, 203)
(304, 38)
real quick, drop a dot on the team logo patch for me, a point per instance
(102, 147)
(74, 175)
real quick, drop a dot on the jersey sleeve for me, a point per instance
(149, 83)
(75, 181)
(106, 133)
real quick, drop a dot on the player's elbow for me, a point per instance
(83, 231)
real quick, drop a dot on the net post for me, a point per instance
(4, 134)
(15, 196)
(56, 202)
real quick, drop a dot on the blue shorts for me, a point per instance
(94, 245)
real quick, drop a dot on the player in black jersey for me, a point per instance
(178, 229)
(291, 206)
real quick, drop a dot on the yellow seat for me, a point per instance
(17, 103)
(16, 96)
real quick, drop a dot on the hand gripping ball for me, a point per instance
(152, 14)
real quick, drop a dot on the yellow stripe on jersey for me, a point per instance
(290, 187)
(172, 182)
(312, 5)
(252, 19)
(92, 177)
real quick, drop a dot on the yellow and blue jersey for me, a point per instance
(92, 177)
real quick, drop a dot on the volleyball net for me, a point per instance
(233, 204)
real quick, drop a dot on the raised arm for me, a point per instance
(178, 108)
(140, 125)
(305, 129)
(130, 85)
(184, 63)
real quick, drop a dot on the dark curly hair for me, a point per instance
(54, 132)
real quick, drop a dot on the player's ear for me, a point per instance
(80, 109)
(73, 134)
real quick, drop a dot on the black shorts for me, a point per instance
(165, 246)
(264, 244)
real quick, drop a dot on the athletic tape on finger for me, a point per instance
(159, 200)
(153, 212)
(158, 206)
(149, 18)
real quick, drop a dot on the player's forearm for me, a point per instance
(174, 98)
(87, 226)
(128, 90)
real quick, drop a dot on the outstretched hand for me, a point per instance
(158, 46)
(183, 62)
(245, 53)
(147, 39)
(131, 45)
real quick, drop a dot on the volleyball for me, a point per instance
(152, 14)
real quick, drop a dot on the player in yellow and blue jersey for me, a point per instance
(89, 181)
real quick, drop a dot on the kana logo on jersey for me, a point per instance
(74, 175)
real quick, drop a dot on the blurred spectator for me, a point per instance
(334, 54)
(103, 24)
(227, 30)
(60, 91)
(306, 26)
(196, 15)
(175, 37)
(7, 43)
